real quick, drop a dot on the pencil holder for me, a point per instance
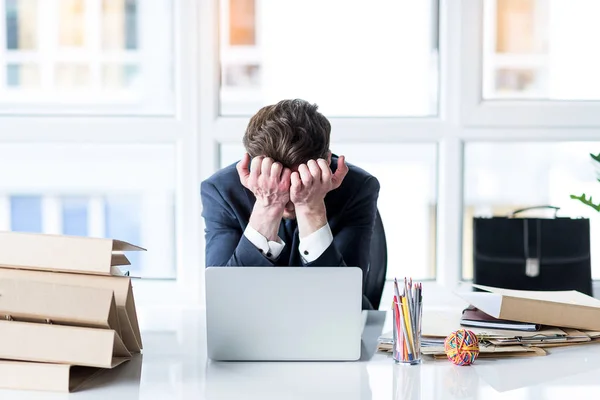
(408, 312)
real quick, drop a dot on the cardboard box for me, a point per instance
(120, 286)
(569, 309)
(88, 347)
(31, 301)
(21, 375)
(75, 254)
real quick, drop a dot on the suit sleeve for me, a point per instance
(351, 245)
(226, 245)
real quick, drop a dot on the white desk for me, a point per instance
(174, 366)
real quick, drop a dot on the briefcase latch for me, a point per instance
(532, 267)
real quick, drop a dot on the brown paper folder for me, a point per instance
(489, 351)
(570, 309)
(529, 352)
(121, 286)
(33, 301)
(22, 375)
(497, 351)
(89, 347)
(75, 254)
(441, 322)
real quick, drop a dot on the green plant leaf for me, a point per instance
(588, 202)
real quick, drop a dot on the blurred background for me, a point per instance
(113, 111)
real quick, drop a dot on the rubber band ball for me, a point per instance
(462, 347)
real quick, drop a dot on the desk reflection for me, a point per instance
(407, 382)
(558, 365)
(121, 382)
(297, 380)
(461, 382)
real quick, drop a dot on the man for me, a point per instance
(289, 201)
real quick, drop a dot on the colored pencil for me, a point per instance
(406, 336)
(396, 320)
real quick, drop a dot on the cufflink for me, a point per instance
(269, 254)
(260, 250)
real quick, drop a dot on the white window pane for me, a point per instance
(353, 58)
(123, 192)
(107, 57)
(26, 213)
(72, 76)
(75, 211)
(21, 24)
(119, 24)
(71, 23)
(407, 199)
(116, 76)
(22, 75)
(541, 49)
(503, 177)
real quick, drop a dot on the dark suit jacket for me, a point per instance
(351, 211)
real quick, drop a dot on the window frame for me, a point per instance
(179, 129)
(441, 130)
(197, 129)
(478, 112)
(464, 116)
(48, 54)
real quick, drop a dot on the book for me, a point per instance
(473, 317)
(567, 308)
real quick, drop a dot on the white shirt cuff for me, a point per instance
(315, 244)
(268, 248)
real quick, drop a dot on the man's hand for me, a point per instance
(308, 189)
(270, 184)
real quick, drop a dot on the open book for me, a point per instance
(473, 317)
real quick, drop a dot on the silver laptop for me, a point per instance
(284, 313)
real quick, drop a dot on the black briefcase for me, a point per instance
(532, 253)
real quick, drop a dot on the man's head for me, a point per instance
(290, 132)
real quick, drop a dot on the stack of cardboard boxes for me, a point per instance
(66, 310)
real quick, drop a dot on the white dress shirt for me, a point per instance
(311, 247)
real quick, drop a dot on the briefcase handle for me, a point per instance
(512, 214)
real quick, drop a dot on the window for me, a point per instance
(95, 85)
(502, 177)
(407, 199)
(242, 23)
(86, 56)
(375, 60)
(123, 192)
(541, 49)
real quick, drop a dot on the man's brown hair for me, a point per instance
(290, 132)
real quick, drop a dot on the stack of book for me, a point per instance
(67, 311)
(513, 323)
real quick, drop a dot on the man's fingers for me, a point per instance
(305, 174)
(340, 173)
(286, 175)
(276, 169)
(325, 170)
(255, 167)
(242, 168)
(315, 170)
(296, 182)
(265, 169)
